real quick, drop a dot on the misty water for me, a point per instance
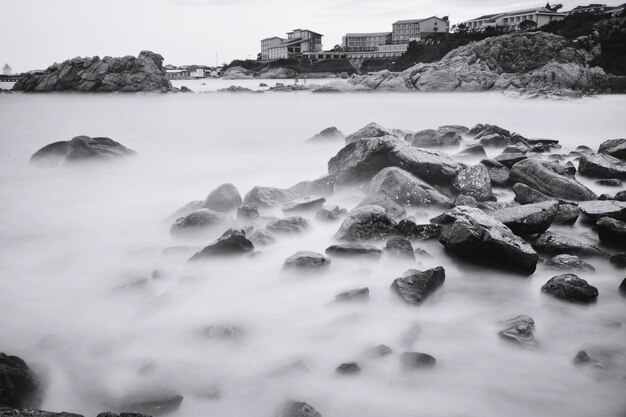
(75, 237)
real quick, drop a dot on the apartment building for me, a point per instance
(268, 43)
(364, 42)
(298, 42)
(405, 31)
(509, 21)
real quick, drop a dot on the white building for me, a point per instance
(362, 42)
(405, 31)
(509, 21)
(197, 73)
(6, 70)
(298, 42)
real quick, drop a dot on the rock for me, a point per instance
(152, 405)
(410, 230)
(383, 200)
(474, 150)
(289, 225)
(81, 148)
(232, 242)
(124, 74)
(458, 129)
(265, 197)
(582, 358)
(238, 89)
(594, 210)
(488, 130)
(474, 182)
(348, 368)
(187, 209)
(570, 287)
(400, 246)
(519, 330)
(484, 240)
(515, 149)
(614, 147)
(602, 166)
(549, 179)
(237, 73)
(261, 237)
(465, 200)
(622, 287)
(551, 243)
(406, 189)
(621, 196)
(567, 214)
(19, 387)
(198, 222)
(612, 231)
(527, 195)
(24, 412)
(372, 130)
(323, 186)
(349, 250)
(297, 409)
(330, 134)
(618, 260)
(307, 261)
(415, 286)
(361, 294)
(527, 219)
(510, 159)
(224, 198)
(330, 213)
(221, 332)
(247, 212)
(429, 138)
(380, 351)
(280, 73)
(569, 262)
(413, 361)
(610, 182)
(367, 223)
(304, 204)
(494, 141)
(498, 173)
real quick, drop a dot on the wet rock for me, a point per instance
(527, 195)
(581, 150)
(569, 262)
(406, 189)
(429, 138)
(519, 330)
(224, 198)
(289, 225)
(510, 159)
(371, 130)
(458, 129)
(622, 287)
(151, 405)
(570, 287)
(550, 179)
(261, 237)
(567, 214)
(187, 209)
(474, 182)
(297, 409)
(582, 358)
(198, 222)
(380, 351)
(410, 230)
(614, 147)
(527, 219)
(474, 150)
(367, 223)
(399, 246)
(413, 361)
(595, 210)
(330, 134)
(465, 200)
(602, 166)
(232, 242)
(330, 213)
(383, 200)
(322, 186)
(610, 182)
(221, 332)
(415, 286)
(621, 196)
(19, 387)
(24, 412)
(265, 197)
(618, 260)
(612, 231)
(304, 204)
(360, 294)
(494, 140)
(552, 243)
(498, 173)
(348, 368)
(247, 212)
(81, 148)
(487, 129)
(307, 261)
(484, 240)
(349, 250)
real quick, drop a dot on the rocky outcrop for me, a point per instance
(330, 134)
(81, 148)
(125, 74)
(19, 387)
(237, 73)
(278, 73)
(415, 286)
(27, 412)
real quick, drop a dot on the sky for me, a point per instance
(37, 33)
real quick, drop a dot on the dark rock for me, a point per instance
(515, 149)
(602, 166)
(224, 198)
(488, 129)
(380, 351)
(527, 219)
(323, 186)
(458, 129)
(349, 250)
(618, 260)
(289, 225)
(567, 214)
(367, 223)
(429, 138)
(494, 140)
(594, 210)
(476, 130)
(519, 330)
(621, 196)
(614, 147)
(330, 134)
(570, 287)
(399, 246)
(19, 387)
(304, 204)
(622, 287)
(550, 179)
(330, 213)
(551, 243)
(510, 159)
(152, 405)
(369, 131)
(187, 209)
(25, 412)
(361, 294)
(610, 182)
(415, 286)
(612, 231)
(484, 240)
(570, 169)
(297, 409)
(569, 262)
(247, 212)
(581, 150)
(81, 148)
(474, 150)
(582, 358)
(264, 197)
(527, 195)
(198, 222)
(307, 261)
(498, 173)
(412, 361)
(410, 230)
(406, 189)
(232, 242)
(465, 200)
(383, 200)
(474, 182)
(348, 368)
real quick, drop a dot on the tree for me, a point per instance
(337, 48)
(554, 7)
(527, 25)
(460, 28)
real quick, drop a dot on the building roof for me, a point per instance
(415, 20)
(271, 37)
(305, 30)
(540, 10)
(368, 34)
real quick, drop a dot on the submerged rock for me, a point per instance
(400, 246)
(595, 210)
(81, 148)
(151, 405)
(289, 225)
(552, 243)
(297, 409)
(570, 287)
(360, 294)
(304, 204)
(519, 330)
(348, 368)
(527, 219)
(349, 250)
(415, 286)
(232, 242)
(602, 166)
(367, 223)
(330, 213)
(198, 222)
(307, 261)
(322, 186)
(19, 387)
(224, 198)
(406, 189)
(265, 197)
(412, 361)
(379, 351)
(330, 134)
(474, 182)
(247, 212)
(612, 231)
(569, 262)
(610, 182)
(614, 147)
(25, 412)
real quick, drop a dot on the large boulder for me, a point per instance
(304, 204)
(484, 240)
(19, 387)
(498, 173)
(198, 222)
(124, 74)
(384, 200)
(570, 287)
(602, 166)
(232, 243)
(432, 138)
(289, 225)
(474, 182)
(330, 134)
(550, 179)
(614, 147)
(415, 286)
(81, 148)
(224, 198)
(407, 189)
(595, 210)
(265, 197)
(555, 244)
(371, 130)
(306, 261)
(527, 219)
(367, 223)
(351, 250)
(612, 231)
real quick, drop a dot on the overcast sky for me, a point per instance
(36, 33)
